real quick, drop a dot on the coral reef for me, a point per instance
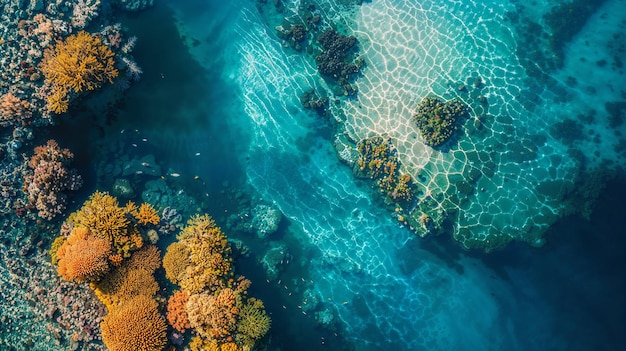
(49, 178)
(38, 307)
(83, 257)
(177, 311)
(135, 325)
(334, 62)
(215, 296)
(213, 316)
(437, 121)
(378, 160)
(80, 62)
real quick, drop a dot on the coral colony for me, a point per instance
(97, 276)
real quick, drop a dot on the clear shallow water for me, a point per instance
(232, 94)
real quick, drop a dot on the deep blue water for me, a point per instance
(226, 89)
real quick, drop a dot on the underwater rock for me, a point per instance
(122, 189)
(274, 259)
(266, 220)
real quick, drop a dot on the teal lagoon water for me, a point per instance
(218, 107)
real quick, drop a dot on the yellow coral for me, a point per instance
(54, 248)
(135, 325)
(147, 214)
(199, 344)
(176, 261)
(81, 62)
(254, 322)
(104, 218)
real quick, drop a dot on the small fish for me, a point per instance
(139, 172)
(280, 280)
(304, 313)
(145, 164)
(267, 280)
(345, 302)
(174, 175)
(134, 145)
(284, 307)
(122, 131)
(300, 307)
(286, 287)
(290, 294)
(197, 154)
(144, 140)
(196, 177)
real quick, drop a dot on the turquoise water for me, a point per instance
(218, 111)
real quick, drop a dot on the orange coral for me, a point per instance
(83, 257)
(147, 214)
(136, 325)
(177, 311)
(81, 62)
(175, 261)
(213, 316)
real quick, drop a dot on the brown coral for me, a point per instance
(213, 316)
(14, 111)
(83, 257)
(81, 62)
(49, 178)
(177, 311)
(136, 325)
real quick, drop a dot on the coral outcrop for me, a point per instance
(378, 160)
(437, 121)
(78, 63)
(177, 311)
(49, 179)
(83, 257)
(215, 297)
(135, 325)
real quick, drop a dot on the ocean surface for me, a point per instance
(218, 106)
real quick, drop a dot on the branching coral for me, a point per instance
(49, 178)
(146, 214)
(203, 245)
(106, 220)
(83, 257)
(177, 311)
(81, 62)
(254, 322)
(135, 325)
